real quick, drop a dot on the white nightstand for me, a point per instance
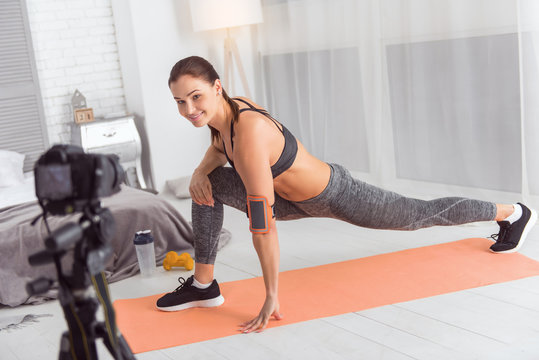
(113, 136)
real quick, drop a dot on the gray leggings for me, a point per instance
(344, 198)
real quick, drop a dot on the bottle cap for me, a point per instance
(143, 237)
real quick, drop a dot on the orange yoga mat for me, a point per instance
(326, 290)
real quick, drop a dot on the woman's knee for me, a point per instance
(227, 187)
(224, 179)
(219, 174)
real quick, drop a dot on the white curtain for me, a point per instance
(425, 97)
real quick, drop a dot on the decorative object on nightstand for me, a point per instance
(81, 111)
(113, 136)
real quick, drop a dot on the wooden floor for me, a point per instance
(493, 322)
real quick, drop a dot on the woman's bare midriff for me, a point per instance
(305, 179)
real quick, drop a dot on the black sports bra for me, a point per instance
(290, 149)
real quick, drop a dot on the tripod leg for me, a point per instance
(80, 317)
(101, 332)
(122, 351)
(65, 347)
(113, 340)
(125, 350)
(102, 292)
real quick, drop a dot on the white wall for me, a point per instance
(152, 37)
(118, 53)
(75, 48)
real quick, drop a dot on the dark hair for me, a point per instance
(200, 68)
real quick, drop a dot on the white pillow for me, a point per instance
(180, 187)
(11, 165)
(18, 194)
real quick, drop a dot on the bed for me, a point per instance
(133, 210)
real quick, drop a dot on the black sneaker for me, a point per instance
(511, 236)
(187, 296)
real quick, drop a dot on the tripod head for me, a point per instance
(88, 239)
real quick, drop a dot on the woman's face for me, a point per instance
(196, 98)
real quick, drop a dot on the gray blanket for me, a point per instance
(133, 210)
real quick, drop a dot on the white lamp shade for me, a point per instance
(218, 14)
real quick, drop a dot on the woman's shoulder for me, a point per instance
(248, 114)
(249, 122)
(243, 102)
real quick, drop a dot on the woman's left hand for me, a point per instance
(269, 309)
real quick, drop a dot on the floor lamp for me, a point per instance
(224, 14)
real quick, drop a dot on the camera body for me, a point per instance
(67, 179)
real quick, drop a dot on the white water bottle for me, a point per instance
(144, 246)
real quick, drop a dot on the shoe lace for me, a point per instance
(504, 229)
(182, 284)
(493, 237)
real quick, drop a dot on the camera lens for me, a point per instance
(110, 174)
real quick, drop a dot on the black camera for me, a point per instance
(67, 179)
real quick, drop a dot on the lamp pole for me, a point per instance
(232, 56)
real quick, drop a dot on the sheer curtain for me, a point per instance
(428, 98)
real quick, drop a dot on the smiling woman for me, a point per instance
(195, 74)
(188, 112)
(273, 177)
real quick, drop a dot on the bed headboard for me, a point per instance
(22, 124)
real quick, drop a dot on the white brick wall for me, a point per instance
(75, 48)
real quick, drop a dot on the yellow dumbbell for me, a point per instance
(174, 260)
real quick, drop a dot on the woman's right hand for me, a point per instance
(200, 189)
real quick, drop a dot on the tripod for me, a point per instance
(79, 301)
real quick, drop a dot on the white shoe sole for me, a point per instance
(200, 303)
(527, 228)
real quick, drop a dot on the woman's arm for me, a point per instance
(200, 186)
(252, 161)
(267, 248)
(213, 158)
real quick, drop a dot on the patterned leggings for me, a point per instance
(344, 198)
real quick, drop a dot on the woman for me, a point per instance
(274, 177)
